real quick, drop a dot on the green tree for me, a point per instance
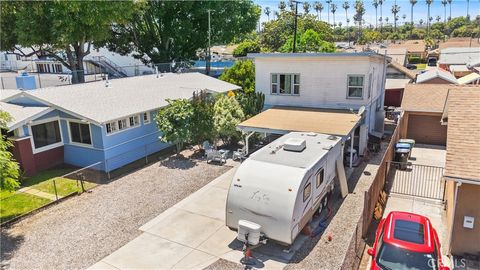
(176, 30)
(251, 103)
(64, 30)
(242, 73)
(247, 46)
(9, 169)
(309, 41)
(203, 129)
(227, 114)
(175, 121)
(276, 32)
(318, 8)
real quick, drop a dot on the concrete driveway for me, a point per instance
(192, 235)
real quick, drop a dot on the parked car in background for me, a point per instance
(432, 62)
(406, 241)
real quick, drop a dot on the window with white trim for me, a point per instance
(122, 124)
(146, 118)
(355, 86)
(80, 133)
(46, 134)
(285, 84)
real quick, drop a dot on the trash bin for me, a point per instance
(409, 141)
(401, 156)
(401, 145)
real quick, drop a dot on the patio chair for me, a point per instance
(240, 154)
(217, 155)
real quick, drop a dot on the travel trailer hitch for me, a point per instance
(246, 249)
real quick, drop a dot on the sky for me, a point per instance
(459, 8)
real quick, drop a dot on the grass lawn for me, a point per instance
(421, 66)
(18, 204)
(44, 181)
(64, 186)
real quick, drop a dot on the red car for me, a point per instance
(406, 241)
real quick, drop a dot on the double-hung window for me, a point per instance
(80, 133)
(355, 86)
(111, 127)
(285, 84)
(134, 121)
(122, 124)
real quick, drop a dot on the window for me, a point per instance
(122, 124)
(319, 177)
(370, 84)
(80, 133)
(146, 118)
(285, 84)
(46, 134)
(307, 190)
(59, 68)
(134, 121)
(355, 86)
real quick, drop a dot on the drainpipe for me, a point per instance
(457, 184)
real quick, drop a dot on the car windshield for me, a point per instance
(391, 257)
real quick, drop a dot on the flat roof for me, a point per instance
(296, 55)
(396, 83)
(317, 146)
(127, 96)
(282, 120)
(463, 134)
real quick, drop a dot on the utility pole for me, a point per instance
(295, 26)
(209, 56)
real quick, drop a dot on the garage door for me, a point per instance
(426, 129)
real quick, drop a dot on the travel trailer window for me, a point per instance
(80, 133)
(46, 134)
(319, 177)
(307, 191)
(355, 86)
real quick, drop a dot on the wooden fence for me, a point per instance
(373, 193)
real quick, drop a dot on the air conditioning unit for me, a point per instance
(295, 144)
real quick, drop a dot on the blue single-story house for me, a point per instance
(107, 121)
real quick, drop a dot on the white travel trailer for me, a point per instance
(276, 191)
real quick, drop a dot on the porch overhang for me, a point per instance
(282, 120)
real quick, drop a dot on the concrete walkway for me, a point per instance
(192, 235)
(38, 193)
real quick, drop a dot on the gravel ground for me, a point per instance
(222, 264)
(80, 231)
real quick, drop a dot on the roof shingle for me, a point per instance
(425, 97)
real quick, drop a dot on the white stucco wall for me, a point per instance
(323, 82)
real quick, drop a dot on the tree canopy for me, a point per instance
(64, 30)
(242, 73)
(309, 41)
(175, 30)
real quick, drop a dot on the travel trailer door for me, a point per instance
(319, 183)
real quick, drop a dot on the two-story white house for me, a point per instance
(321, 92)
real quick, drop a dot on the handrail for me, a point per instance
(113, 65)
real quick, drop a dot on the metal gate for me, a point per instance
(417, 180)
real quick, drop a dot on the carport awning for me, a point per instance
(281, 120)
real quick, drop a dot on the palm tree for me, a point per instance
(438, 18)
(375, 5)
(359, 12)
(282, 6)
(444, 3)
(306, 7)
(380, 3)
(395, 10)
(276, 14)
(412, 3)
(404, 16)
(340, 24)
(386, 20)
(334, 9)
(420, 22)
(429, 3)
(328, 10)
(450, 4)
(318, 8)
(267, 12)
